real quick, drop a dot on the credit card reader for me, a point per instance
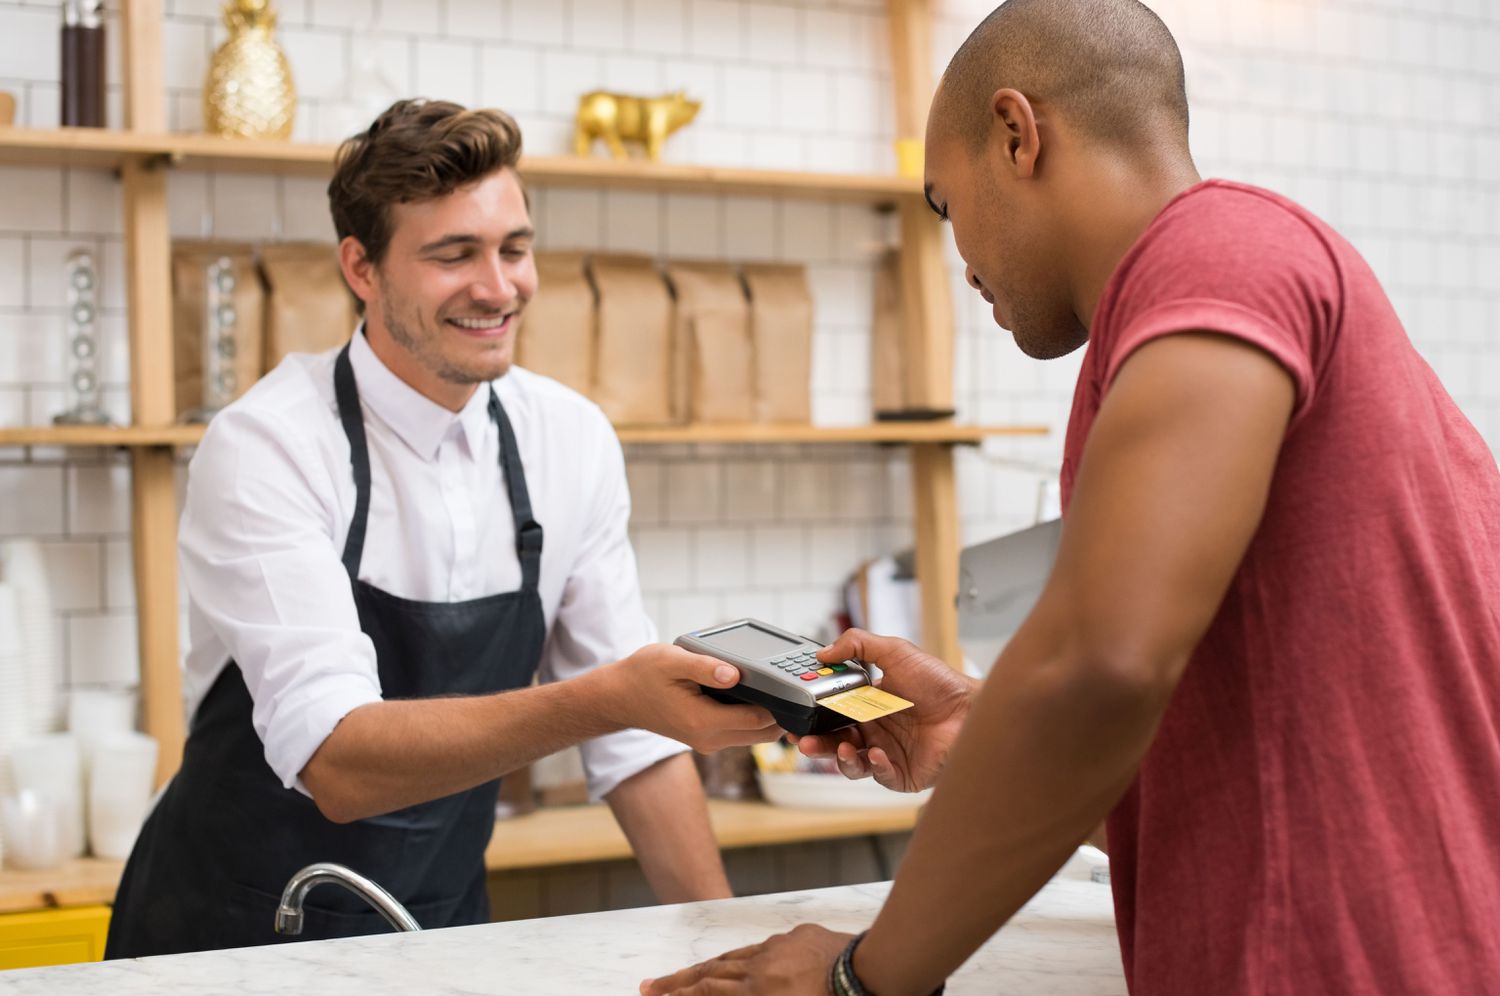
(779, 672)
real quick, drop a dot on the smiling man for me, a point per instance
(382, 546)
(1269, 650)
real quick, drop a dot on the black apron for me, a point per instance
(210, 863)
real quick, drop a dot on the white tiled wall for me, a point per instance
(1382, 115)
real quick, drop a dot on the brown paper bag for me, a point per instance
(887, 385)
(190, 297)
(633, 359)
(556, 334)
(781, 323)
(713, 376)
(309, 307)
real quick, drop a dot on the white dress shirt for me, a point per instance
(270, 498)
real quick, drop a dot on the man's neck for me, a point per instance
(399, 361)
(1117, 202)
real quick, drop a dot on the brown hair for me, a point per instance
(416, 150)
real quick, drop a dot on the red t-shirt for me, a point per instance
(1320, 810)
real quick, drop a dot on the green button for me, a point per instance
(839, 667)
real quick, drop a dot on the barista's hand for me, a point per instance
(656, 689)
(904, 751)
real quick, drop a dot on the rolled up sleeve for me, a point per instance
(257, 546)
(602, 618)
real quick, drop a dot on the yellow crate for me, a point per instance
(53, 937)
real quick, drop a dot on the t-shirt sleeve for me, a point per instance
(1238, 264)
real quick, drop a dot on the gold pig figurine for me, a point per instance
(616, 117)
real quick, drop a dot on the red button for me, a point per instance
(811, 677)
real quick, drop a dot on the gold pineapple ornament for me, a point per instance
(249, 91)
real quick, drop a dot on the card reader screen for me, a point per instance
(751, 641)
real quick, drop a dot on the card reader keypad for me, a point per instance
(804, 665)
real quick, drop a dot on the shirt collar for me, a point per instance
(421, 422)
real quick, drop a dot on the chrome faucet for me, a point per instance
(289, 913)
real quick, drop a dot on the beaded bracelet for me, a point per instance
(841, 978)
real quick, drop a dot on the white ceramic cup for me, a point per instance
(30, 824)
(50, 766)
(99, 712)
(120, 781)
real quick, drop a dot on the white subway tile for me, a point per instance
(98, 499)
(804, 100)
(778, 555)
(647, 499)
(31, 500)
(807, 231)
(446, 70)
(12, 272)
(778, 152)
(510, 79)
(32, 347)
(684, 613)
(42, 107)
(319, 61)
(721, 558)
(574, 219)
(23, 52)
(186, 48)
(73, 574)
(566, 76)
(358, 14)
(722, 147)
(119, 575)
(305, 214)
(665, 559)
(752, 491)
(658, 26)
(401, 17)
(188, 212)
(538, 23)
(244, 206)
(717, 29)
(750, 99)
(94, 203)
(633, 74)
(632, 222)
(773, 33)
(694, 226)
(701, 81)
(477, 18)
(598, 24)
(750, 228)
(102, 650)
(834, 552)
(31, 200)
(695, 492)
(807, 492)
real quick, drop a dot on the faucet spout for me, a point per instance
(289, 913)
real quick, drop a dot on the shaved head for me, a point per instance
(1109, 67)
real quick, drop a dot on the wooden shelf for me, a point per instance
(111, 148)
(78, 883)
(101, 435)
(877, 432)
(547, 837)
(577, 834)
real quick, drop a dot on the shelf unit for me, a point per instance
(546, 838)
(144, 154)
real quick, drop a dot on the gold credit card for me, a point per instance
(865, 703)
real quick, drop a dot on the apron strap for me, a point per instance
(528, 530)
(359, 458)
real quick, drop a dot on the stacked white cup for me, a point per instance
(50, 767)
(122, 771)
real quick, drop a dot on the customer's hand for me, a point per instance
(791, 964)
(656, 689)
(904, 751)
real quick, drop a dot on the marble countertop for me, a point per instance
(1063, 942)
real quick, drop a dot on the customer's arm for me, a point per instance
(1170, 490)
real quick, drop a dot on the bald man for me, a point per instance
(1270, 646)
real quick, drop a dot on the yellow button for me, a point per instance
(825, 670)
